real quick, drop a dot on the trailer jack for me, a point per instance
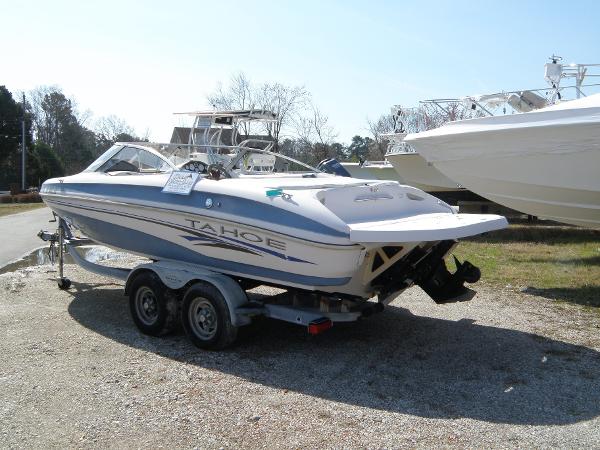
(57, 250)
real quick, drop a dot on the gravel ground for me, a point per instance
(507, 369)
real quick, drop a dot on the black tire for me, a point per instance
(154, 307)
(64, 283)
(206, 319)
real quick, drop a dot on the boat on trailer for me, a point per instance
(216, 219)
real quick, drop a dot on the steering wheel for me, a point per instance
(216, 172)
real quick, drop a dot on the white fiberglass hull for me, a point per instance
(544, 163)
(370, 171)
(417, 172)
(319, 236)
(195, 238)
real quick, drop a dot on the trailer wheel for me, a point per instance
(205, 318)
(64, 283)
(153, 306)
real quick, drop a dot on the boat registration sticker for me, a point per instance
(181, 182)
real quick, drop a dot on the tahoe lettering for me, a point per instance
(233, 232)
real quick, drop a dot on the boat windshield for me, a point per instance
(245, 159)
(128, 158)
(159, 158)
(250, 161)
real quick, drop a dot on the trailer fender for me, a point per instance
(176, 278)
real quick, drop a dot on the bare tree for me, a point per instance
(428, 116)
(109, 127)
(385, 124)
(35, 98)
(315, 141)
(81, 116)
(323, 130)
(313, 127)
(146, 135)
(304, 129)
(379, 128)
(286, 102)
(238, 94)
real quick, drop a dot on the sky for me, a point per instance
(143, 61)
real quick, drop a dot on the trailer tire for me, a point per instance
(206, 318)
(64, 283)
(154, 307)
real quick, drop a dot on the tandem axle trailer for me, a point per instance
(210, 306)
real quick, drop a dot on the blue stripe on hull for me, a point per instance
(229, 204)
(145, 244)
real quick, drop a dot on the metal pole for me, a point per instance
(23, 153)
(581, 71)
(61, 249)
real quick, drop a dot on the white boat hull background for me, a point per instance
(373, 172)
(544, 163)
(417, 172)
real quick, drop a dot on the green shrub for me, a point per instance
(32, 197)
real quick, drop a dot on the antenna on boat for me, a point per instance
(553, 72)
(555, 58)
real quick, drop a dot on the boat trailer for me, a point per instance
(211, 306)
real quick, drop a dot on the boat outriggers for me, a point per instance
(216, 219)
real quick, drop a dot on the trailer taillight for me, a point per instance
(319, 325)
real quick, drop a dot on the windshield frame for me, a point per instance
(245, 151)
(232, 168)
(99, 162)
(118, 147)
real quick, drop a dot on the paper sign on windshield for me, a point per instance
(181, 182)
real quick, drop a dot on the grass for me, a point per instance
(13, 208)
(557, 262)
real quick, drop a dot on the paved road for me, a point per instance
(19, 231)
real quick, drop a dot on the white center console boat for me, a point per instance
(542, 160)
